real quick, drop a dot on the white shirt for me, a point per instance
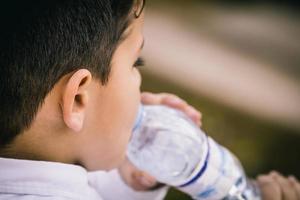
(34, 180)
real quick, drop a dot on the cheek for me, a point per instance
(130, 104)
(138, 78)
(131, 96)
(136, 96)
(116, 114)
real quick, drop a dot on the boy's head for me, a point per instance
(69, 88)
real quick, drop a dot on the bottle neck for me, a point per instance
(139, 118)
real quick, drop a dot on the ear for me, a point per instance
(75, 99)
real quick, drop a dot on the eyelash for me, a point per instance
(140, 62)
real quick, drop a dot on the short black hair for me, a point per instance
(41, 41)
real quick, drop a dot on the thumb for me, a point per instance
(145, 180)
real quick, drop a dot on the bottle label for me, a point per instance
(223, 171)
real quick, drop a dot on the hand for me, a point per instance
(135, 178)
(276, 187)
(173, 101)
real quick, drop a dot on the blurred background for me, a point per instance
(238, 62)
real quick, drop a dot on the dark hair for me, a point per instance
(41, 41)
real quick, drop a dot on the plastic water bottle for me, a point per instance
(169, 146)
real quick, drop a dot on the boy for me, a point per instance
(70, 94)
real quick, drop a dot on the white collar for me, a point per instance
(41, 178)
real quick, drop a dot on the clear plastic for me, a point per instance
(169, 146)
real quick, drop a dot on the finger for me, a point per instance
(131, 176)
(177, 103)
(148, 180)
(174, 102)
(270, 189)
(288, 192)
(195, 115)
(150, 98)
(135, 182)
(295, 183)
(143, 181)
(162, 98)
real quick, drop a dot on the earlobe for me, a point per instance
(75, 99)
(74, 122)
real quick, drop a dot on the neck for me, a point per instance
(42, 150)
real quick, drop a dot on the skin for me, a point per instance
(275, 186)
